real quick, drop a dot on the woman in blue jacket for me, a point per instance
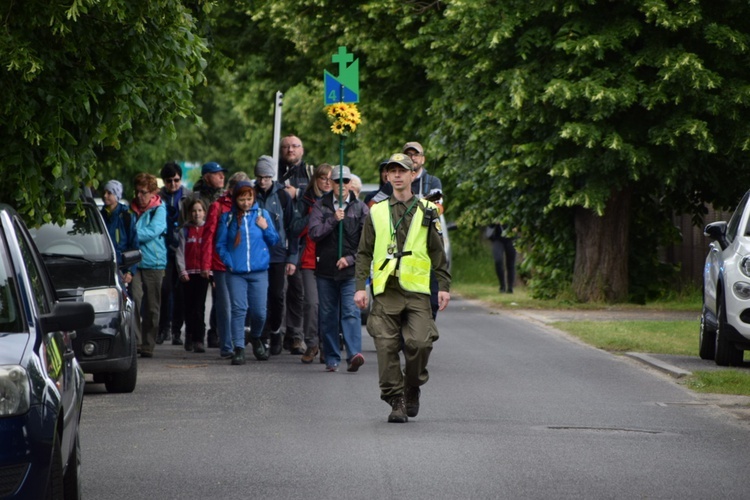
(243, 239)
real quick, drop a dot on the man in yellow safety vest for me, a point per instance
(402, 241)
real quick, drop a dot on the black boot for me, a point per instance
(259, 349)
(239, 356)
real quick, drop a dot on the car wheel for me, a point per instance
(123, 382)
(55, 480)
(726, 354)
(72, 478)
(706, 339)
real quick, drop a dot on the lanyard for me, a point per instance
(394, 228)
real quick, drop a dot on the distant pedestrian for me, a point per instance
(188, 266)
(402, 241)
(503, 254)
(120, 224)
(244, 237)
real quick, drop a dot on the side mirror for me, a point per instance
(717, 231)
(68, 316)
(130, 258)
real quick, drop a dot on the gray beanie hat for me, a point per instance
(265, 167)
(114, 187)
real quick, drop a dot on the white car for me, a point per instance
(725, 318)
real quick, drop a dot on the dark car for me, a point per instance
(41, 382)
(80, 257)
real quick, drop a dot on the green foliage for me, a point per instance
(720, 382)
(561, 104)
(83, 78)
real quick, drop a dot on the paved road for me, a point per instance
(514, 409)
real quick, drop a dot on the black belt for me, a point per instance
(396, 255)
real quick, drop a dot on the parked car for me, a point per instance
(41, 382)
(725, 318)
(80, 255)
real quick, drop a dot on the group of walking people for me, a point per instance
(288, 262)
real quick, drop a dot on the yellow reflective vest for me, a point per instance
(412, 263)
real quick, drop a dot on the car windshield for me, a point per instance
(10, 319)
(82, 235)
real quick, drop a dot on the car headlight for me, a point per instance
(14, 391)
(103, 299)
(745, 266)
(741, 290)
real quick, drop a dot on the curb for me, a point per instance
(670, 370)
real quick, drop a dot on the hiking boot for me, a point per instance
(239, 356)
(296, 347)
(276, 346)
(176, 340)
(398, 412)
(411, 399)
(354, 363)
(162, 336)
(309, 355)
(198, 347)
(259, 349)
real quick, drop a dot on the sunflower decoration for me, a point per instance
(344, 118)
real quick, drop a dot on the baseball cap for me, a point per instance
(400, 159)
(347, 174)
(415, 146)
(211, 168)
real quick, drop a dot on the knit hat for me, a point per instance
(265, 167)
(114, 187)
(240, 186)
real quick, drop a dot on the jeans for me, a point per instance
(334, 298)
(248, 294)
(222, 308)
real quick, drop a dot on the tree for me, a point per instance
(579, 117)
(84, 79)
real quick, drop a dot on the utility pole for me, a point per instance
(277, 130)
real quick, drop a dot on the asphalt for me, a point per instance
(673, 365)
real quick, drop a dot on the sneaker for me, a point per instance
(259, 349)
(276, 344)
(239, 356)
(309, 355)
(225, 354)
(411, 399)
(176, 340)
(332, 368)
(354, 363)
(198, 347)
(296, 347)
(398, 410)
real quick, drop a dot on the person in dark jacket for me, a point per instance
(335, 268)
(272, 197)
(120, 226)
(173, 195)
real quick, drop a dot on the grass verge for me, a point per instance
(720, 382)
(665, 337)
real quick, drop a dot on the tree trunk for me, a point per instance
(601, 264)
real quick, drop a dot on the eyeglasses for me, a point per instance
(412, 155)
(264, 177)
(174, 180)
(338, 181)
(142, 193)
(291, 146)
(324, 179)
